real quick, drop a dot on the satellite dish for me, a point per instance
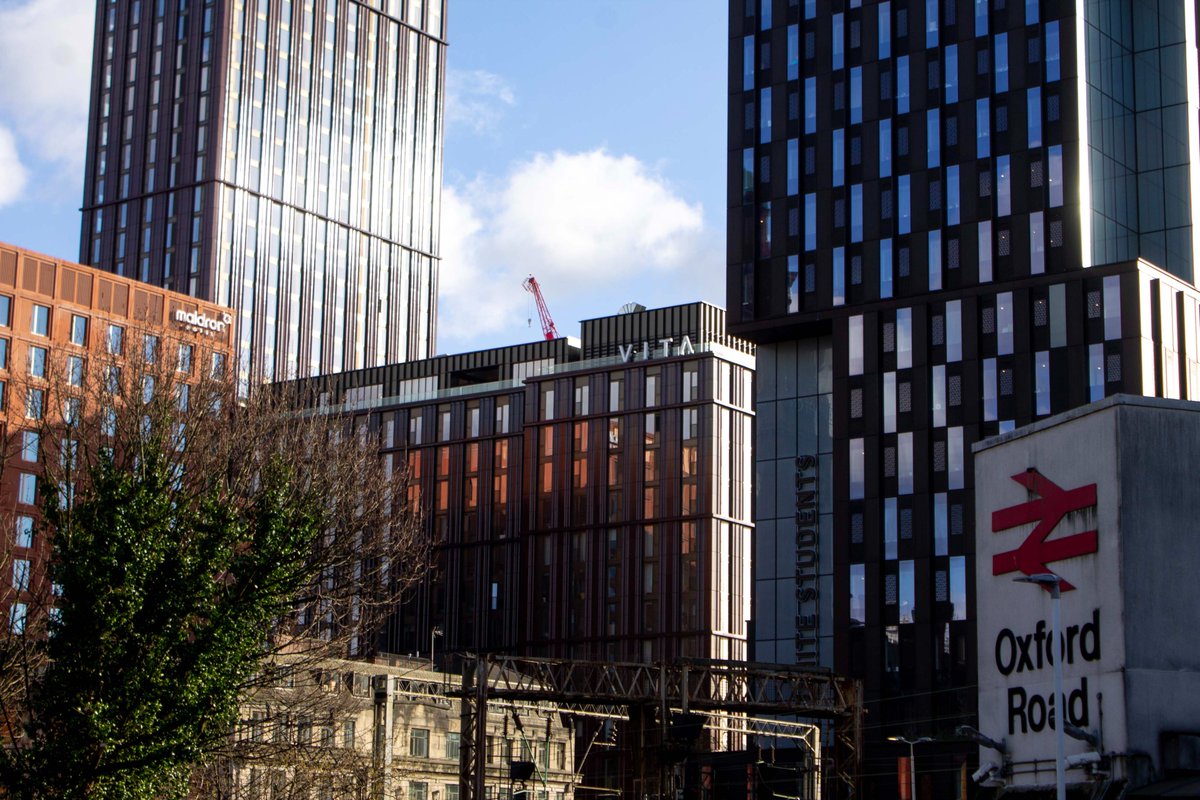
(631, 308)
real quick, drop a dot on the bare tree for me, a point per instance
(188, 536)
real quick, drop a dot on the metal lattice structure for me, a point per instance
(686, 685)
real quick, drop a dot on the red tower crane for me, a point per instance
(548, 329)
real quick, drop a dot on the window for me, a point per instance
(958, 586)
(1003, 186)
(1004, 323)
(27, 489)
(839, 41)
(453, 745)
(37, 361)
(418, 790)
(24, 532)
(933, 138)
(418, 743)
(856, 213)
(885, 268)
(150, 348)
(1095, 372)
(935, 260)
(839, 157)
(885, 30)
(989, 390)
(764, 118)
(954, 331)
(839, 276)
(3, 353)
(74, 370)
(858, 592)
(35, 400)
(1112, 307)
(184, 363)
(855, 95)
(116, 340)
(951, 85)
(793, 166)
(905, 224)
(691, 382)
(885, 148)
(29, 446)
(17, 614)
(1037, 243)
(903, 338)
(983, 129)
(810, 105)
(810, 222)
(908, 592)
(1041, 381)
(985, 251)
(1033, 101)
(1053, 57)
(855, 345)
(5, 310)
(78, 330)
(1056, 176)
(1000, 69)
(857, 469)
(39, 321)
(217, 369)
(952, 201)
(902, 85)
(904, 471)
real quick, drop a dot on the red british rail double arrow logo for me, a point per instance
(1035, 553)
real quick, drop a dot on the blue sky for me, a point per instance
(584, 142)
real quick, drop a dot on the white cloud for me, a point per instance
(596, 229)
(46, 61)
(476, 99)
(12, 173)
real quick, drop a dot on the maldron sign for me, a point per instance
(200, 322)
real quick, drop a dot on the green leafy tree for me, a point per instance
(190, 537)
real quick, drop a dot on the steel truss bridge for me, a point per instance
(711, 688)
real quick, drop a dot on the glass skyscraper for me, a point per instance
(936, 214)
(282, 157)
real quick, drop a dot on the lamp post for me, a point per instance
(1052, 583)
(433, 634)
(912, 762)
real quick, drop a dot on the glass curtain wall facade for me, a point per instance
(937, 186)
(281, 157)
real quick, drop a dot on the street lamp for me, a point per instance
(1051, 582)
(433, 634)
(912, 762)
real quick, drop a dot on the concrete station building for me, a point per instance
(1105, 498)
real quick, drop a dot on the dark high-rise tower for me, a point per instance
(282, 157)
(927, 199)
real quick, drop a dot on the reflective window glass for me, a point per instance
(885, 148)
(931, 23)
(983, 129)
(856, 213)
(981, 17)
(793, 52)
(938, 392)
(1037, 243)
(933, 139)
(985, 251)
(1041, 381)
(951, 79)
(902, 85)
(1000, 67)
(954, 331)
(855, 95)
(1052, 52)
(1003, 186)
(857, 468)
(810, 105)
(854, 339)
(905, 224)
(903, 338)
(839, 276)
(885, 268)
(885, 30)
(935, 260)
(952, 199)
(1056, 176)
(838, 42)
(1033, 115)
